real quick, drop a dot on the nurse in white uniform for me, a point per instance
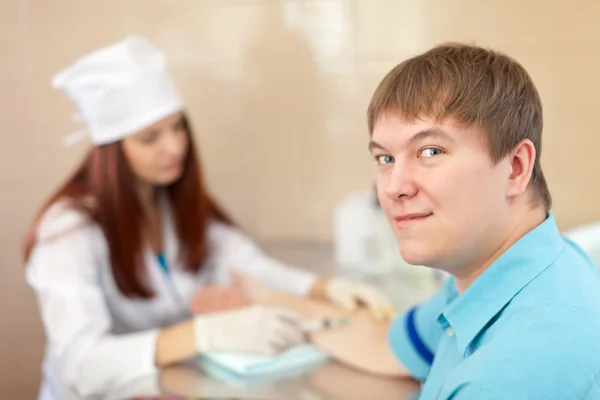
(119, 251)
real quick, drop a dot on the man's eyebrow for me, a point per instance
(374, 145)
(431, 133)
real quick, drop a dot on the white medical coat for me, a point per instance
(98, 339)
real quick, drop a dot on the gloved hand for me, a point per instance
(347, 294)
(255, 329)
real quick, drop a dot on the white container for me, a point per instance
(358, 240)
(365, 248)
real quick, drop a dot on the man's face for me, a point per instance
(444, 197)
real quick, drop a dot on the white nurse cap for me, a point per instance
(119, 90)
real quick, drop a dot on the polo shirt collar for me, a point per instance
(470, 312)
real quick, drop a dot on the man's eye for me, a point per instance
(431, 151)
(383, 160)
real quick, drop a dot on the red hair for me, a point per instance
(105, 177)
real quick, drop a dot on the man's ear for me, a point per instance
(522, 160)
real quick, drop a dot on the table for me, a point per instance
(329, 381)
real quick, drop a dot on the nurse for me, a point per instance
(119, 251)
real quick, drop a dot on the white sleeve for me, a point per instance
(63, 272)
(231, 249)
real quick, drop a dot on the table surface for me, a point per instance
(328, 381)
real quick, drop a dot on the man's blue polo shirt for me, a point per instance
(527, 328)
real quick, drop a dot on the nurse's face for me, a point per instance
(444, 197)
(156, 154)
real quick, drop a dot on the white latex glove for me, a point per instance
(347, 294)
(255, 329)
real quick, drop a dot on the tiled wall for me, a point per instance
(277, 91)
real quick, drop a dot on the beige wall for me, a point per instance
(277, 91)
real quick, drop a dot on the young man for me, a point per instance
(456, 133)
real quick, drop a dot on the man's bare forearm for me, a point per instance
(362, 343)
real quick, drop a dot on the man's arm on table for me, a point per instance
(362, 343)
(404, 346)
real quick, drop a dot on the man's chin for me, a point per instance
(413, 258)
(418, 255)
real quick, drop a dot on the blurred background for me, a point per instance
(277, 92)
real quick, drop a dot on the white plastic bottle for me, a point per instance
(365, 248)
(354, 234)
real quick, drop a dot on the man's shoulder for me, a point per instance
(573, 324)
(551, 348)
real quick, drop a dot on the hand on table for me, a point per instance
(215, 298)
(255, 329)
(349, 294)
